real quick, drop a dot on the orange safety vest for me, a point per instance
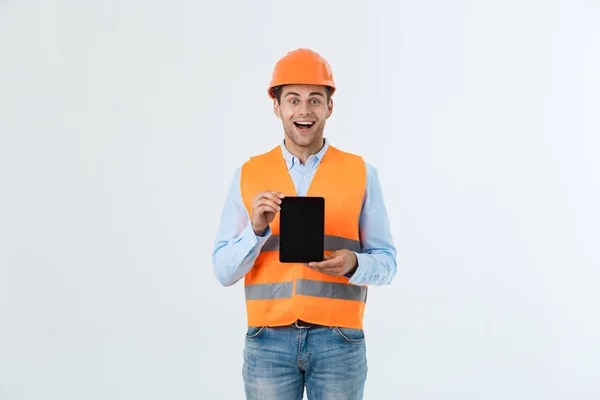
(277, 293)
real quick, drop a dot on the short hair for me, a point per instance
(277, 90)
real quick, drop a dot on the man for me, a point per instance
(305, 320)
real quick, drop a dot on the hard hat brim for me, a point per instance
(275, 84)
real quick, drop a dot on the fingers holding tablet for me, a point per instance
(337, 264)
(264, 208)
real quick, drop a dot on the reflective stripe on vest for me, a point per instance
(306, 287)
(332, 243)
(265, 291)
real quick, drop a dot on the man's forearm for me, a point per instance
(232, 260)
(375, 269)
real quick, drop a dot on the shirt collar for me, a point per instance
(291, 159)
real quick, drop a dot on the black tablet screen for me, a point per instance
(302, 229)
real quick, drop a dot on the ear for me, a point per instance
(329, 108)
(276, 108)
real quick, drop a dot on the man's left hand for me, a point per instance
(336, 264)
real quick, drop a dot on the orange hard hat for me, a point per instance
(301, 67)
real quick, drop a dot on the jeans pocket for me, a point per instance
(350, 335)
(254, 331)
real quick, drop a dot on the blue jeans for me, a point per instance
(280, 362)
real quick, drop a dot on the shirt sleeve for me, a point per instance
(236, 246)
(377, 258)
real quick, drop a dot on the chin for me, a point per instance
(304, 141)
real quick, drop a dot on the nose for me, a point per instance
(303, 109)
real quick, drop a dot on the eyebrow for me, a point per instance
(297, 94)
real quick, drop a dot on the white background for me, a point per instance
(121, 123)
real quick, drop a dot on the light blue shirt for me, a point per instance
(236, 245)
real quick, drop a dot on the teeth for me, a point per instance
(305, 123)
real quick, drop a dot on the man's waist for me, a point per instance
(304, 324)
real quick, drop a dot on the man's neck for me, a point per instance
(303, 152)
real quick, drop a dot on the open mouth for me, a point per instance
(304, 126)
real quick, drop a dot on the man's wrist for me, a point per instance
(354, 268)
(259, 232)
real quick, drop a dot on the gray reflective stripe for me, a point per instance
(332, 290)
(263, 291)
(332, 243)
(272, 244)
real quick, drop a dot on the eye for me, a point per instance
(294, 101)
(315, 101)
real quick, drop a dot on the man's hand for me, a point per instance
(337, 264)
(264, 208)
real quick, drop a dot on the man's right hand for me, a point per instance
(264, 208)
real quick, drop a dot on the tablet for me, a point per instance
(302, 229)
